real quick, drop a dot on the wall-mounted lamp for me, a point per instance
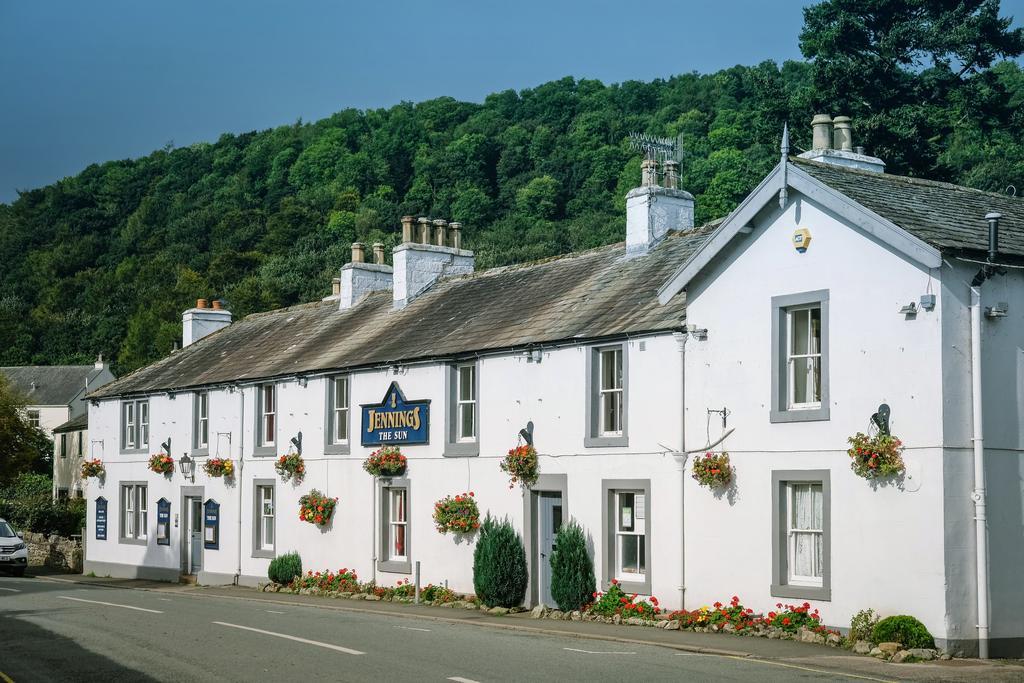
(700, 333)
(188, 468)
(927, 301)
(910, 309)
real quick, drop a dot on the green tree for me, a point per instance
(572, 569)
(499, 565)
(23, 448)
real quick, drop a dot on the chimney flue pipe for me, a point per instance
(993, 234)
(407, 228)
(378, 253)
(821, 126)
(455, 235)
(424, 230)
(358, 253)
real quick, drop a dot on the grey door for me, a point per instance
(195, 535)
(549, 519)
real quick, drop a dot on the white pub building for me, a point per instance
(774, 334)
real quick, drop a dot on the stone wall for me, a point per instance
(54, 552)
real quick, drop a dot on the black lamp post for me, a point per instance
(187, 466)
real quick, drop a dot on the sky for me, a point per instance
(84, 82)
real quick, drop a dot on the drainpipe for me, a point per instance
(241, 478)
(373, 532)
(681, 338)
(980, 518)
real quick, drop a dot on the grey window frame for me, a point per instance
(134, 539)
(609, 487)
(136, 411)
(257, 519)
(330, 446)
(593, 438)
(258, 448)
(198, 449)
(780, 587)
(781, 305)
(64, 445)
(453, 448)
(384, 486)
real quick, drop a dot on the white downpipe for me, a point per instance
(682, 455)
(373, 532)
(241, 478)
(980, 518)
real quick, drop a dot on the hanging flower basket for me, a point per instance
(316, 508)
(713, 470)
(521, 464)
(161, 463)
(93, 468)
(386, 462)
(458, 514)
(291, 466)
(875, 457)
(219, 467)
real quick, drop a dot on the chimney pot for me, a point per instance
(335, 286)
(842, 134)
(378, 253)
(649, 172)
(821, 125)
(407, 228)
(424, 229)
(672, 174)
(455, 234)
(217, 305)
(200, 303)
(358, 253)
(440, 225)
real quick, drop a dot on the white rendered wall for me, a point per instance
(67, 470)
(886, 543)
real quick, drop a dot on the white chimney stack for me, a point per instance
(203, 321)
(419, 264)
(832, 143)
(359, 278)
(652, 210)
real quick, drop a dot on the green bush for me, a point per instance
(862, 625)
(499, 565)
(902, 629)
(27, 503)
(285, 568)
(572, 570)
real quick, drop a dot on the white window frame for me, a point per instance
(33, 418)
(639, 530)
(134, 513)
(398, 494)
(611, 394)
(202, 422)
(340, 411)
(792, 531)
(387, 524)
(809, 378)
(463, 405)
(135, 424)
(786, 583)
(268, 419)
(267, 520)
(784, 310)
(128, 433)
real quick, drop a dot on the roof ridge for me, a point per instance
(904, 179)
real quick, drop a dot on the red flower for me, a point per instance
(785, 621)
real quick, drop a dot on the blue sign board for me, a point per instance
(101, 519)
(395, 420)
(163, 522)
(211, 525)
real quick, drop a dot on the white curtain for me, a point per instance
(806, 526)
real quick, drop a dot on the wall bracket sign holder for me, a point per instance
(211, 525)
(163, 522)
(101, 519)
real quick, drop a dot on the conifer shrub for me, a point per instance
(903, 629)
(499, 565)
(572, 569)
(285, 568)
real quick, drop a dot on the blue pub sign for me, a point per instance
(101, 519)
(211, 525)
(395, 420)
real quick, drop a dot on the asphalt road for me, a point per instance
(51, 631)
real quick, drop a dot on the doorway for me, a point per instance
(194, 535)
(549, 521)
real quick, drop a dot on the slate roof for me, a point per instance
(587, 295)
(50, 385)
(948, 217)
(75, 424)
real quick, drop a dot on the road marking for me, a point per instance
(164, 599)
(413, 628)
(13, 590)
(111, 604)
(274, 611)
(295, 638)
(460, 679)
(596, 652)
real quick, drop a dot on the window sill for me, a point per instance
(463, 449)
(263, 554)
(404, 567)
(790, 590)
(639, 587)
(263, 451)
(201, 452)
(808, 415)
(337, 449)
(134, 451)
(605, 441)
(133, 541)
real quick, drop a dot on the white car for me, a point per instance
(13, 552)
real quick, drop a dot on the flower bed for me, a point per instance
(713, 470)
(521, 464)
(616, 602)
(344, 583)
(457, 514)
(219, 467)
(386, 462)
(161, 463)
(93, 468)
(316, 508)
(877, 456)
(343, 580)
(291, 466)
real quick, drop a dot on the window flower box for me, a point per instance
(316, 508)
(386, 462)
(161, 463)
(876, 457)
(521, 464)
(291, 466)
(713, 470)
(93, 468)
(458, 514)
(219, 467)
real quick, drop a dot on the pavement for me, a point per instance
(55, 628)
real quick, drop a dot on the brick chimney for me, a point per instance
(203, 321)
(419, 264)
(652, 210)
(359, 278)
(832, 143)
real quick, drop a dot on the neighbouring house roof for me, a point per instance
(587, 295)
(51, 385)
(949, 217)
(75, 424)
